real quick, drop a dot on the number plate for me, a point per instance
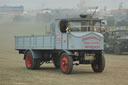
(89, 57)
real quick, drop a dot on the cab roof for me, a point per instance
(80, 19)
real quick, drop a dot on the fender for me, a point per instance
(35, 54)
(68, 52)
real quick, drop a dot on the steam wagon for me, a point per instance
(72, 41)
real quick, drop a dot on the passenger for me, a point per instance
(63, 26)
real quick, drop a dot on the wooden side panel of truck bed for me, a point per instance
(35, 42)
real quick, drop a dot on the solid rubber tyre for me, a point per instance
(66, 63)
(55, 60)
(98, 64)
(37, 64)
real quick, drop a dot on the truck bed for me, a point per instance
(35, 42)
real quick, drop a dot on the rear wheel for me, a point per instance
(56, 61)
(30, 62)
(99, 63)
(37, 64)
(66, 63)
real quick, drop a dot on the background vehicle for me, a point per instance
(116, 41)
(71, 40)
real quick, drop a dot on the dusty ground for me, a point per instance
(14, 72)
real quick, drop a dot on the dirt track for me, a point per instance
(13, 72)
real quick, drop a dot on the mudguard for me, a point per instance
(68, 52)
(35, 54)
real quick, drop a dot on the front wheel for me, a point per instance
(99, 63)
(66, 63)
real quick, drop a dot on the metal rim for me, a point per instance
(28, 60)
(64, 63)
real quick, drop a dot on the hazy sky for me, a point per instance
(39, 4)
